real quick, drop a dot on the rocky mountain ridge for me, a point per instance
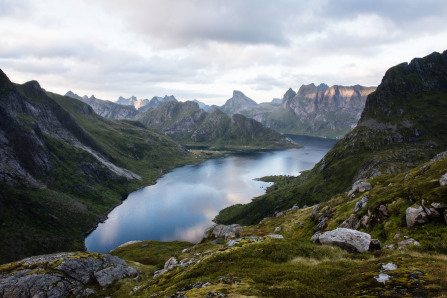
(191, 125)
(314, 110)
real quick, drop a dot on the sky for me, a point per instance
(205, 49)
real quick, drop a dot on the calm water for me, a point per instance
(184, 201)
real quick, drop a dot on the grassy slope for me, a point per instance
(56, 218)
(296, 267)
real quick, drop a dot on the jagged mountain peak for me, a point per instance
(238, 103)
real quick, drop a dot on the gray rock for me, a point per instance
(295, 207)
(365, 221)
(276, 236)
(396, 237)
(415, 216)
(441, 206)
(63, 274)
(432, 214)
(359, 186)
(352, 222)
(443, 180)
(382, 277)
(408, 242)
(226, 232)
(218, 241)
(348, 239)
(170, 264)
(322, 224)
(360, 204)
(279, 214)
(277, 230)
(389, 267)
(232, 243)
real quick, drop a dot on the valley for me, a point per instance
(368, 219)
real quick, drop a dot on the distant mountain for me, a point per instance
(107, 108)
(190, 125)
(402, 126)
(276, 101)
(63, 167)
(204, 106)
(132, 101)
(314, 110)
(238, 103)
(156, 101)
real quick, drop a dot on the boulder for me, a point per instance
(360, 204)
(359, 186)
(352, 222)
(295, 207)
(348, 239)
(408, 242)
(443, 180)
(276, 236)
(227, 232)
(415, 216)
(62, 275)
(277, 230)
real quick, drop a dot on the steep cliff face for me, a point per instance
(187, 123)
(238, 103)
(402, 126)
(314, 110)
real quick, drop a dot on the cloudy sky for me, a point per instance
(205, 49)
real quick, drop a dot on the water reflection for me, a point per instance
(183, 202)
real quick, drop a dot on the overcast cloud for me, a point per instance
(205, 49)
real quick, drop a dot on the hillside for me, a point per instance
(315, 110)
(402, 126)
(64, 167)
(190, 125)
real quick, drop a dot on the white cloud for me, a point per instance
(204, 49)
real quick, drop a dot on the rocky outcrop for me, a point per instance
(223, 231)
(187, 123)
(443, 180)
(348, 239)
(62, 275)
(359, 186)
(107, 108)
(360, 204)
(353, 222)
(415, 216)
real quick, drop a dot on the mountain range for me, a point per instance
(315, 110)
(370, 219)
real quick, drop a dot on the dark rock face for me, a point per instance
(62, 275)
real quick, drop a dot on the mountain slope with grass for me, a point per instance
(402, 126)
(190, 125)
(63, 168)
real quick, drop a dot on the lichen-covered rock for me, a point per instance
(62, 274)
(352, 222)
(315, 211)
(360, 204)
(359, 186)
(226, 232)
(348, 239)
(415, 216)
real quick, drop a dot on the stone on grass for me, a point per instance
(443, 180)
(360, 186)
(415, 216)
(348, 239)
(352, 222)
(277, 230)
(360, 204)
